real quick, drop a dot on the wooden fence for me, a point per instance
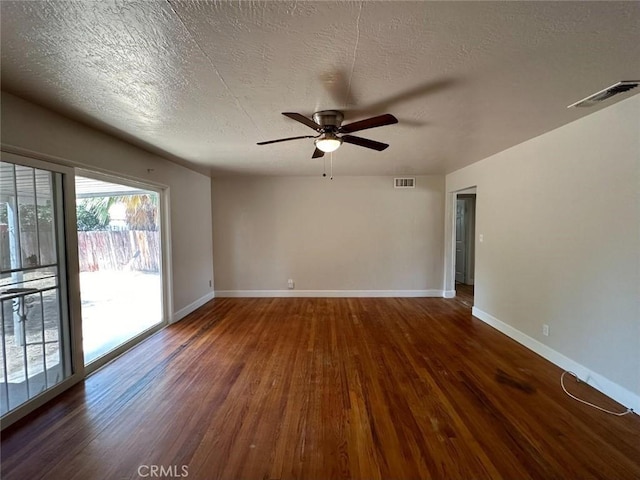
(119, 250)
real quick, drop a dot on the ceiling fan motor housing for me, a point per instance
(329, 119)
(328, 123)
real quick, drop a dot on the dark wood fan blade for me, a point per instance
(285, 139)
(373, 122)
(302, 119)
(364, 142)
(317, 153)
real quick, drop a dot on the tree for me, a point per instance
(28, 214)
(88, 219)
(141, 209)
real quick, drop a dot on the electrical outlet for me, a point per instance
(290, 284)
(545, 330)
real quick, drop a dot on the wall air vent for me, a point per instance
(608, 92)
(406, 182)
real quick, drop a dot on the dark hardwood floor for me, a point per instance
(464, 294)
(324, 389)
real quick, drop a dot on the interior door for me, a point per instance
(461, 240)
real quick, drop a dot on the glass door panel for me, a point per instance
(119, 249)
(36, 354)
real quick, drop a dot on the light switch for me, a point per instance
(481, 238)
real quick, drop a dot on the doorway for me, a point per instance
(464, 261)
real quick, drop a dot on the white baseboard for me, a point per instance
(597, 381)
(328, 293)
(183, 312)
(449, 293)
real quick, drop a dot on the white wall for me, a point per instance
(560, 216)
(27, 126)
(350, 235)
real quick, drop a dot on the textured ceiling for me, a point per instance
(203, 82)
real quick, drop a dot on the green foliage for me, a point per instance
(141, 210)
(93, 213)
(28, 214)
(88, 219)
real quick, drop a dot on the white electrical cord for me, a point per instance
(617, 414)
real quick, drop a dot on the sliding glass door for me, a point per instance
(120, 257)
(81, 276)
(36, 346)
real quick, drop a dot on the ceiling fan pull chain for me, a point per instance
(331, 162)
(324, 162)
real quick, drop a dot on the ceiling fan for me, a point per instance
(331, 132)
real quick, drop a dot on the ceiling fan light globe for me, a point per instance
(328, 145)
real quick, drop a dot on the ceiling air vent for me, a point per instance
(407, 182)
(608, 92)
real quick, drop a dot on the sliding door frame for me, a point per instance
(69, 171)
(69, 275)
(164, 261)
